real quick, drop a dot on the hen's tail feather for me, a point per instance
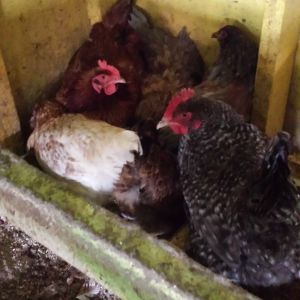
(138, 19)
(118, 14)
(185, 39)
(274, 187)
(276, 159)
(190, 56)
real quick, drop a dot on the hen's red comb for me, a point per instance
(103, 65)
(182, 96)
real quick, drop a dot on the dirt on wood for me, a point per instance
(30, 271)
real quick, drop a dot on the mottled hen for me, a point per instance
(243, 206)
(103, 78)
(173, 62)
(231, 78)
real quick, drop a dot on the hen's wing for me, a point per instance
(118, 14)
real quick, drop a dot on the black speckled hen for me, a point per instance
(243, 206)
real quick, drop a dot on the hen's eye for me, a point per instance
(184, 115)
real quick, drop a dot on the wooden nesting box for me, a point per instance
(37, 38)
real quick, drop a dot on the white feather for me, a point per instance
(90, 152)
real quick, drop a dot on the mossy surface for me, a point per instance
(151, 254)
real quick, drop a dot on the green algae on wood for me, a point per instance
(131, 263)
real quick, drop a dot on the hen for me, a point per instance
(89, 152)
(231, 78)
(103, 78)
(142, 176)
(173, 62)
(148, 188)
(243, 207)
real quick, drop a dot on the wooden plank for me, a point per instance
(279, 37)
(295, 166)
(94, 11)
(129, 262)
(9, 120)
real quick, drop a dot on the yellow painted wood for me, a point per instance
(295, 166)
(9, 120)
(292, 117)
(94, 11)
(278, 43)
(37, 38)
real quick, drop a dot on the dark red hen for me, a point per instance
(103, 77)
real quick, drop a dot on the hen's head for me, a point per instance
(238, 51)
(187, 112)
(179, 121)
(107, 78)
(228, 34)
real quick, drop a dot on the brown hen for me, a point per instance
(231, 78)
(90, 87)
(148, 189)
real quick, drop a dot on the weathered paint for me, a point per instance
(295, 166)
(37, 39)
(120, 255)
(280, 31)
(292, 117)
(9, 120)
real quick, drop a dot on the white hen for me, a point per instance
(90, 152)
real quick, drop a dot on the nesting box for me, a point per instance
(37, 39)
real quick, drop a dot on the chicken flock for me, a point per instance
(137, 116)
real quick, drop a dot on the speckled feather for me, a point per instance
(223, 168)
(90, 152)
(45, 111)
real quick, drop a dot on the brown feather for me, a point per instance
(149, 188)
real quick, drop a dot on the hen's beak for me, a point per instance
(120, 80)
(162, 123)
(215, 35)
